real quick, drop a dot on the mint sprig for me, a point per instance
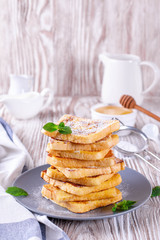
(123, 205)
(16, 191)
(155, 191)
(51, 127)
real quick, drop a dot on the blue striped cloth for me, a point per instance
(17, 222)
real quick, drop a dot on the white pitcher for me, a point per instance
(122, 75)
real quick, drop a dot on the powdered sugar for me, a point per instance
(82, 126)
(127, 146)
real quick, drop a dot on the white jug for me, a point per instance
(122, 75)
(27, 105)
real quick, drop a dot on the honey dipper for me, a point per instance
(129, 102)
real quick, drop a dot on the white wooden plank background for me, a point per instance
(58, 42)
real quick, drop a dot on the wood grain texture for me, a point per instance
(58, 42)
(140, 224)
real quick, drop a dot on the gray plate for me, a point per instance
(134, 187)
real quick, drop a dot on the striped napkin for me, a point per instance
(16, 222)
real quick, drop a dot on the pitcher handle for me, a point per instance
(156, 74)
(47, 92)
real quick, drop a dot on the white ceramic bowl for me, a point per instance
(127, 119)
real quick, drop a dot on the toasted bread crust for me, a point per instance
(84, 130)
(105, 143)
(85, 206)
(82, 190)
(53, 173)
(81, 155)
(53, 192)
(75, 163)
(89, 172)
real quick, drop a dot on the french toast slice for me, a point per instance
(84, 130)
(85, 206)
(92, 171)
(53, 192)
(53, 173)
(82, 190)
(105, 143)
(108, 161)
(81, 155)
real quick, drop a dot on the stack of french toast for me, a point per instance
(84, 171)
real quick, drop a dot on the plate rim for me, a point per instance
(76, 217)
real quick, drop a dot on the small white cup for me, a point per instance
(20, 84)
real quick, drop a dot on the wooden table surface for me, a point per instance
(144, 223)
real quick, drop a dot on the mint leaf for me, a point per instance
(120, 204)
(50, 127)
(65, 130)
(15, 191)
(123, 205)
(130, 203)
(61, 124)
(114, 208)
(155, 191)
